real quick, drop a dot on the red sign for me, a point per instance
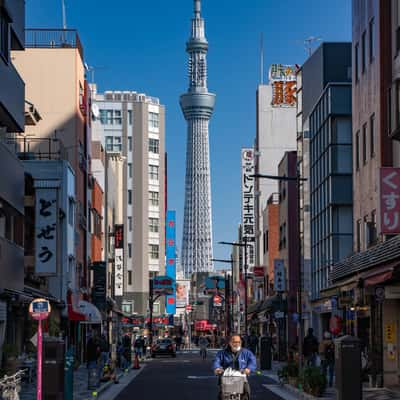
(258, 271)
(390, 200)
(188, 307)
(119, 236)
(217, 300)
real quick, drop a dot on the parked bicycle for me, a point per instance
(10, 386)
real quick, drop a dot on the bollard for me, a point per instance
(69, 375)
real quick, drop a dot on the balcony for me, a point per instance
(12, 99)
(16, 11)
(53, 39)
(11, 265)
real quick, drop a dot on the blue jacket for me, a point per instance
(224, 360)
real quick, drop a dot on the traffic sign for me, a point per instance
(279, 314)
(39, 309)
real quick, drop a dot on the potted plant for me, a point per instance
(313, 381)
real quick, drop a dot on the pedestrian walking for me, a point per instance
(104, 354)
(203, 344)
(253, 343)
(327, 355)
(92, 357)
(138, 346)
(178, 342)
(310, 348)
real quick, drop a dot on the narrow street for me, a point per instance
(186, 377)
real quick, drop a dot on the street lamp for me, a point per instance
(296, 179)
(244, 245)
(228, 294)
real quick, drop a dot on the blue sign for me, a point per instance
(170, 252)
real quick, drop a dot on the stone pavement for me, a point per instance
(81, 392)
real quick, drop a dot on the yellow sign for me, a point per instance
(390, 333)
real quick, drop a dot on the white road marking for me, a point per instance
(281, 391)
(201, 377)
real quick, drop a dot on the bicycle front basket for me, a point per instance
(232, 384)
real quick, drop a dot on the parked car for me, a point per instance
(164, 347)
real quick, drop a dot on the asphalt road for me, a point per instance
(186, 377)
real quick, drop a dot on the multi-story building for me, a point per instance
(133, 126)
(330, 176)
(369, 278)
(53, 69)
(289, 240)
(276, 134)
(12, 97)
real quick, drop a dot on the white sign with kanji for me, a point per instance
(248, 205)
(279, 276)
(119, 272)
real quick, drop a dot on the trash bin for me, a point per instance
(266, 353)
(348, 368)
(69, 375)
(53, 369)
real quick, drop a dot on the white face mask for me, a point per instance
(236, 349)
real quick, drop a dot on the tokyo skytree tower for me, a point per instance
(197, 106)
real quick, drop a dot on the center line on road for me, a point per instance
(201, 377)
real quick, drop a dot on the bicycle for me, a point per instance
(233, 388)
(10, 386)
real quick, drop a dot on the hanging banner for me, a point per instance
(46, 231)
(279, 276)
(99, 290)
(248, 206)
(119, 260)
(170, 252)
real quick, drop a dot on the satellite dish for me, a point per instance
(95, 110)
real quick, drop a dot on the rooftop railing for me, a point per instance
(53, 39)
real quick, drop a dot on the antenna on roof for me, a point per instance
(64, 15)
(309, 43)
(262, 58)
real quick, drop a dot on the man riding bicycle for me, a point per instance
(237, 358)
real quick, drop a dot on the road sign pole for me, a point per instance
(39, 361)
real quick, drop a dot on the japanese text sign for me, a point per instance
(248, 205)
(119, 260)
(390, 200)
(46, 231)
(171, 257)
(283, 81)
(163, 285)
(279, 276)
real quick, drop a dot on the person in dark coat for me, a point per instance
(310, 347)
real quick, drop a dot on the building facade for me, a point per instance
(275, 134)
(133, 126)
(197, 106)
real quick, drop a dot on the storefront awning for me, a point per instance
(376, 277)
(90, 311)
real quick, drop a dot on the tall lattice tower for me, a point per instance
(197, 106)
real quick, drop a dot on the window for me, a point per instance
(109, 117)
(364, 144)
(130, 197)
(154, 198)
(153, 224)
(372, 40)
(71, 211)
(154, 145)
(356, 62)
(357, 150)
(129, 277)
(358, 236)
(130, 117)
(153, 251)
(130, 250)
(130, 224)
(129, 143)
(126, 307)
(154, 120)
(4, 36)
(117, 117)
(364, 51)
(372, 135)
(153, 172)
(397, 115)
(113, 143)
(103, 117)
(130, 170)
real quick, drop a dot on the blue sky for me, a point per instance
(140, 45)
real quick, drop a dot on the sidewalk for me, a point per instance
(330, 393)
(81, 392)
